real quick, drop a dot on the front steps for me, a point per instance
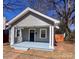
(25, 48)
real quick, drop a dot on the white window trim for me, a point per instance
(16, 29)
(29, 34)
(45, 33)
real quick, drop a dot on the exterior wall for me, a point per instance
(32, 20)
(9, 35)
(25, 35)
(38, 39)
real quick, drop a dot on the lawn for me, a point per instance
(63, 50)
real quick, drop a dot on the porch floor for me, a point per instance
(31, 45)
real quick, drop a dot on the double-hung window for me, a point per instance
(18, 33)
(43, 33)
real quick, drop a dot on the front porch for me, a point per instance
(22, 41)
(32, 45)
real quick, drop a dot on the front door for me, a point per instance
(32, 35)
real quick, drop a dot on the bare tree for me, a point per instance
(64, 9)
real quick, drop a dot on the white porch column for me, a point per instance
(19, 38)
(12, 36)
(20, 35)
(50, 44)
(51, 37)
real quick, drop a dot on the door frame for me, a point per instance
(34, 34)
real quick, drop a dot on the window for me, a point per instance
(43, 33)
(18, 33)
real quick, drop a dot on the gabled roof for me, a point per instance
(34, 11)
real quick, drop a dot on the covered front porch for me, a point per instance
(37, 43)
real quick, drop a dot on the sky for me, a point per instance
(9, 14)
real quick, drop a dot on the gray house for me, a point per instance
(32, 29)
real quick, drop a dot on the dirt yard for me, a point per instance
(63, 50)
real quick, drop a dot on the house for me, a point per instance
(32, 29)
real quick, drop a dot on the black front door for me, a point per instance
(32, 35)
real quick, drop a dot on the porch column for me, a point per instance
(12, 36)
(20, 35)
(19, 38)
(51, 37)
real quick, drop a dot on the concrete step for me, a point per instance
(25, 49)
(20, 48)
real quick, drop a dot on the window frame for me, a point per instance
(45, 33)
(18, 32)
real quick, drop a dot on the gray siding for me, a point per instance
(38, 39)
(25, 34)
(31, 20)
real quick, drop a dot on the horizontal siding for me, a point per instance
(25, 35)
(38, 39)
(32, 20)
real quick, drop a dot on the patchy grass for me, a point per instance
(63, 50)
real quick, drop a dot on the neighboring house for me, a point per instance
(32, 29)
(5, 31)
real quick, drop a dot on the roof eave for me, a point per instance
(34, 11)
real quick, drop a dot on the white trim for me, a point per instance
(50, 44)
(15, 32)
(34, 11)
(51, 37)
(45, 33)
(12, 36)
(29, 34)
(19, 38)
(52, 33)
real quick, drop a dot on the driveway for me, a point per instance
(63, 50)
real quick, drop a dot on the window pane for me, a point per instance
(43, 33)
(18, 32)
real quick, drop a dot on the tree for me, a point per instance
(64, 10)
